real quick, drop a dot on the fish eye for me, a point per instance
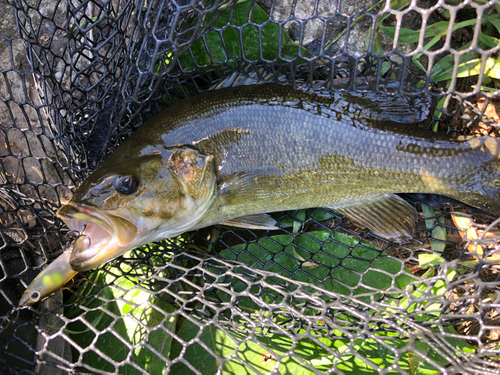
(126, 184)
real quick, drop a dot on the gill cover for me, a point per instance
(169, 201)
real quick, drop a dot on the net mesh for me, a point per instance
(321, 294)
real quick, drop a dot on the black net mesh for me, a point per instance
(320, 295)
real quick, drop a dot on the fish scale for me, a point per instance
(292, 138)
(232, 155)
(290, 141)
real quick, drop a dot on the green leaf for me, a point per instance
(297, 224)
(377, 48)
(492, 68)
(485, 88)
(473, 67)
(365, 269)
(445, 65)
(313, 256)
(438, 232)
(194, 353)
(121, 304)
(435, 31)
(289, 220)
(224, 43)
(425, 260)
(405, 35)
(322, 215)
(459, 344)
(438, 29)
(254, 353)
(486, 41)
(469, 68)
(493, 19)
(399, 4)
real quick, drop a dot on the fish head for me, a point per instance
(128, 203)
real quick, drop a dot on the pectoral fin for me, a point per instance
(245, 184)
(387, 216)
(262, 221)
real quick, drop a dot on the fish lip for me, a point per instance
(101, 238)
(72, 211)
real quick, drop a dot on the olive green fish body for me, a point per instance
(232, 155)
(296, 150)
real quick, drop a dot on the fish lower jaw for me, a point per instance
(102, 236)
(94, 243)
(84, 256)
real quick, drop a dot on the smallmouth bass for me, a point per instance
(233, 155)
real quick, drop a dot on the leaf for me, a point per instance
(442, 70)
(251, 351)
(467, 68)
(327, 361)
(492, 68)
(377, 48)
(429, 352)
(487, 41)
(121, 304)
(94, 324)
(225, 43)
(297, 224)
(493, 19)
(289, 220)
(405, 35)
(399, 4)
(195, 354)
(313, 256)
(435, 31)
(465, 223)
(485, 88)
(438, 232)
(320, 214)
(365, 269)
(302, 260)
(473, 68)
(438, 29)
(425, 260)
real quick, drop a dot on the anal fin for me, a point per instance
(262, 221)
(387, 216)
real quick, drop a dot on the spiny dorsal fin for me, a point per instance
(252, 75)
(378, 106)
(387, 216)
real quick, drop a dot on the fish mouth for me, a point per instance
(102, 236)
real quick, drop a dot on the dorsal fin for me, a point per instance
(383, 107)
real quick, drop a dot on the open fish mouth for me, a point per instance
(102, 237)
